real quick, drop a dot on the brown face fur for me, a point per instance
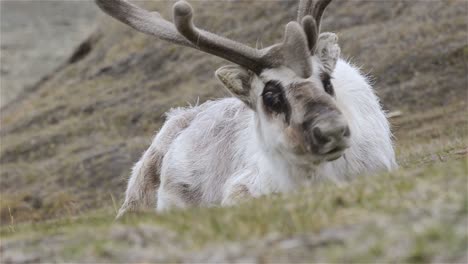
(310, 120)
(296, 110)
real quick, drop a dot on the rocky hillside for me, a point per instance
(68, 144)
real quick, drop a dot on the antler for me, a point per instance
(310, 16)
(185, 33)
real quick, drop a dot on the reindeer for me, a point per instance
(299, 114)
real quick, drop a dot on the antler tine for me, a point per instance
(305, 8)
(233, 51)
(185, 33)
(142, 20)
(310, 16)
(318, 11)
(310, 28)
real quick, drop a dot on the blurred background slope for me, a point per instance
(37, 37)
(69, 141)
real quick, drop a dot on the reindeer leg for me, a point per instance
(236, 194)
(142, 185)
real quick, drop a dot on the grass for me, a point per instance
(425, 208)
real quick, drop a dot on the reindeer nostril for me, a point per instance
(320, 137)
(347, 132)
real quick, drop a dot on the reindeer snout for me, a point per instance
(324, 134)
(329, 136)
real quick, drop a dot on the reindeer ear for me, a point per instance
(328, 51)
(238, 81)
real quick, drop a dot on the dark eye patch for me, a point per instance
(274, 99)
(326, 82)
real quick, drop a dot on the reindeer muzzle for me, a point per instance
(328, 136)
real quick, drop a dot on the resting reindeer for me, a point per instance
(299, 114)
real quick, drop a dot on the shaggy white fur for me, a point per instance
(218, 153)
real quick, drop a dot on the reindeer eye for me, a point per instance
(327, 85)
(273, 97)
(273, 101)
